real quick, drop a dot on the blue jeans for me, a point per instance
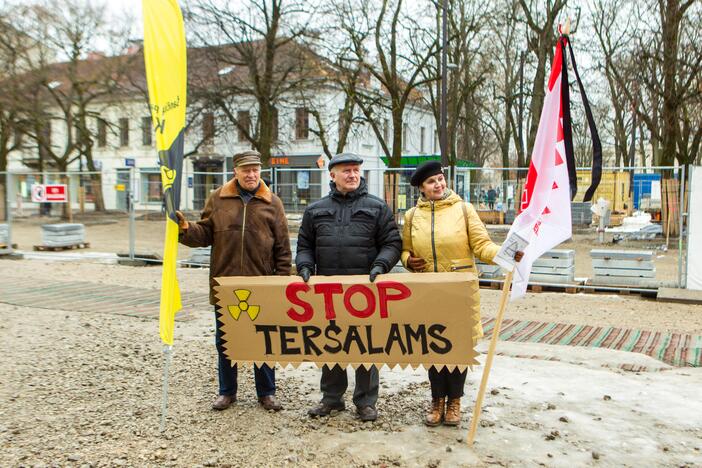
(264, 376)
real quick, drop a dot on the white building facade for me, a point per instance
(125, 154)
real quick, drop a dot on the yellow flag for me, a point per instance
(166, 76)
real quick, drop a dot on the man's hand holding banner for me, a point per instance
(404, 319)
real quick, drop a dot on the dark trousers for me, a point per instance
(447, 384)
(335, 382)
(264, 376)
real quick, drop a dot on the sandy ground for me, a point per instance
(83, 389)
(111, 234)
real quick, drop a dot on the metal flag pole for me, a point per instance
(167, 353)
(490, 355)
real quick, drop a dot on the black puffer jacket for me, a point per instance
(348, 234)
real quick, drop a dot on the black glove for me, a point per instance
(375, 271)
(305, 274)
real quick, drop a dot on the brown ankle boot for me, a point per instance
(436, 412)
(453, 412)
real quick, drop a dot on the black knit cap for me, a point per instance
(424, 171)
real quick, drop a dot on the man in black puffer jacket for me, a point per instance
(348, 232)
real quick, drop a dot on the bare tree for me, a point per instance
(72, 94)
(681, 71)
(347, 83)
(339, 79)
(258, 53)
(390, 47)
(668, 63)
(542, 26)
(200, 121)
(502, 116)
(13, 48)
(613, 26)
(470, 71)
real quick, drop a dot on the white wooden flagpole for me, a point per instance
(490, 355)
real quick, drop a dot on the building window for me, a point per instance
(244, 128)
(101, 132)
(208, 128)
(422, 134)
(123, 132)
(302, 123)
(274, 118)
(151, 185)
(405, 136)
(146, 134)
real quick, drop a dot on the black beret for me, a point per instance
(345, 158)
(424, 171)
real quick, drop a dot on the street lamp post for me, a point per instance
(443, 138)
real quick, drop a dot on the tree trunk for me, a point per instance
(395, 159)
(95, 181)
(670, 28)
(265, 129)
(3, 191)
(3, 201)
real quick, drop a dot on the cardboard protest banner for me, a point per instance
(400, 319)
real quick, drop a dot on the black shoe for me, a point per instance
(324, 409)
(367, 413)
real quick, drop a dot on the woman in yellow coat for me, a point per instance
(444, 233)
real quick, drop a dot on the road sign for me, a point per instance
(129, 162)
(49, 193)
(38, 193)
(56, 193)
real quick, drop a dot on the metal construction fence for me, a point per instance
(635, 210)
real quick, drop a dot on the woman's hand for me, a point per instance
(416, 263)
(518, 255)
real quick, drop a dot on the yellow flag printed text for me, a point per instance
(166, 75)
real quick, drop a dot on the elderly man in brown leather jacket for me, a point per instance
(245, 224)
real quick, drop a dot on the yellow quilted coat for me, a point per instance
(438, 235)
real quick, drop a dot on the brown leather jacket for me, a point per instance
(247, 239)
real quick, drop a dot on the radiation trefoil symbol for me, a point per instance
(243, 306)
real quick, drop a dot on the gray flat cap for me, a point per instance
(345, 158)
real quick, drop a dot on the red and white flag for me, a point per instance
(544, 220)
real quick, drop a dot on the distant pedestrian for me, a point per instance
(491, 197)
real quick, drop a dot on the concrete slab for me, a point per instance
(686, 296)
